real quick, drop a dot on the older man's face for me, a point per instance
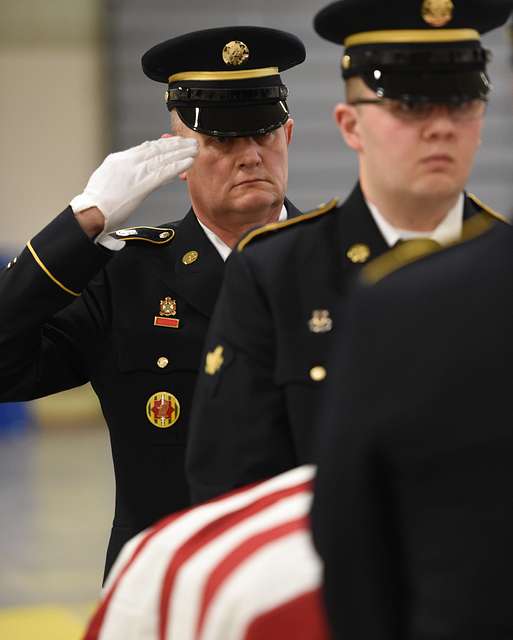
(242, 175)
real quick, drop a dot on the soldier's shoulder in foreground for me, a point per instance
(287, 227)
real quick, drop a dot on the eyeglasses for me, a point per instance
(419, 111)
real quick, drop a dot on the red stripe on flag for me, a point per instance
(208, 533)
(238, 555)
(302, 618)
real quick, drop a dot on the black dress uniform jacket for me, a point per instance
(413, 510)
(101, 329)
(268, 344)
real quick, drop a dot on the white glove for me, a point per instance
(124, 179)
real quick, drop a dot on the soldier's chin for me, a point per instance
(439, 185)
(256, 197)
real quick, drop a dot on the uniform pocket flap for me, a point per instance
(147, 351)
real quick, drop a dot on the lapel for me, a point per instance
(353, 226)
(198, 282)
(292, 210)
(470, 208)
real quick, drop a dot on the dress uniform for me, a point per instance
(133, 322)
(282, 301)
(413, 510)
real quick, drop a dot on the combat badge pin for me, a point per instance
(214, 360)
(437, 13)
(320, 322)
(167, 309)
(163, 409)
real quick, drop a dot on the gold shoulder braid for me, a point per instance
(413, 250)
(488, 210)
(275, 226)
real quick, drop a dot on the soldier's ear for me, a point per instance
(346, 118)
(289, 129)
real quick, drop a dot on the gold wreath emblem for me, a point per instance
(235, 53)
(437, 13)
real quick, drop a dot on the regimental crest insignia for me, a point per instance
(437, 13)
(214, 361)
(163, 409)
(320, 322)
(168, 307)
(235, 53)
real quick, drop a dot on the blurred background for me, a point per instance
(73, 91)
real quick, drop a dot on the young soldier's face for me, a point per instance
(424, 154)
(239, 175)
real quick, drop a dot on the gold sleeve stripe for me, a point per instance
(324, 208)
(400, 36)
(52, 277)
(488, 210)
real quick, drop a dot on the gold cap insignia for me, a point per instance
(320, 322)
(346, 62)
(162, 409)
(168, 307)
(190, 257)
(214, 360)
(437, 13)
(358, 253)
(235, 53)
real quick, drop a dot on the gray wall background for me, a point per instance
(321, 167)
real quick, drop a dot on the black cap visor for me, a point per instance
(413, 86)
(229, 122)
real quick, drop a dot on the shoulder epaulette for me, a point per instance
(488, 210)
(154, 235)
(275, 226)
(417, 248)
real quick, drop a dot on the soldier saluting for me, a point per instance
(128, 309)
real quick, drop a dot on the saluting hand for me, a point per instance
(126, 178)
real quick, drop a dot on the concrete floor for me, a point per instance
(56, 506)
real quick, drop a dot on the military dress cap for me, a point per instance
(415, 50)
(226, 81)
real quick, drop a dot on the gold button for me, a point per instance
(164, 235)
(358, 253)
(162, 362)
(346, 62)
(318, 373)
(190, 257)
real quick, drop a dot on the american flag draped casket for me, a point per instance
(241, 567)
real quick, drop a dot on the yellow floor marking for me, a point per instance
(41, 623)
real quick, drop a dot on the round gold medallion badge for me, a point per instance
(163, 409)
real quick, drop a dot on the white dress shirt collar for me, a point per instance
(447, 231)
(222, 248)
